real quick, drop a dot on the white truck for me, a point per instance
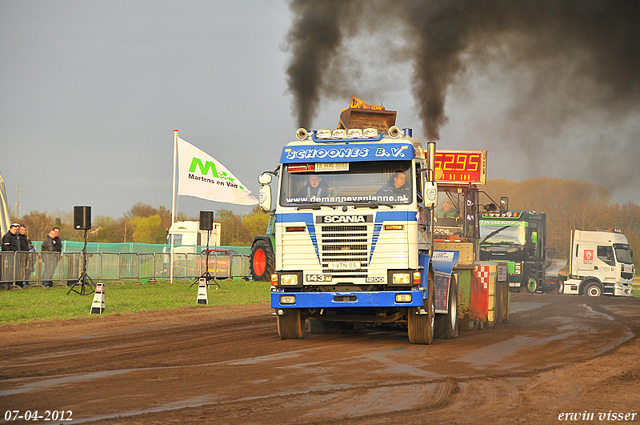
(601, 263)
(188, 236)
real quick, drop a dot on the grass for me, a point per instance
(53, 303)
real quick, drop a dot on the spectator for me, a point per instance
(10, 243)
(23, 258)
(51, 249)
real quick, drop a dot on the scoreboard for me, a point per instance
(461, 166)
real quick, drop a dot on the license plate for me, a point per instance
(344, 266)
(318, 277)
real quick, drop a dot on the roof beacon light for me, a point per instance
(370, 132)
(354, 133)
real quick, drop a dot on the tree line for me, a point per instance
(144, 223)
(570, 205)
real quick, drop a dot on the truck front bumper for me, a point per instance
(623, 290)
(400, 299)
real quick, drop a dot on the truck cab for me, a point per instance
(601, 263)
(187, 237)
(518, 238)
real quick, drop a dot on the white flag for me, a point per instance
(202, 176)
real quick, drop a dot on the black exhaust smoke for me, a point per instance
(563, 43)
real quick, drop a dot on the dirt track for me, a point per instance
(226, 365)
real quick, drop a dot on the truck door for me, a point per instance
(605, 263)
(533, 242)
(585, 258)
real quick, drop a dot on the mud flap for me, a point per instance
(443, 263)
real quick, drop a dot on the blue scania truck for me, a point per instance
(353, 231)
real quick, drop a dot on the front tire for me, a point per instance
(422, 326)
(262, 264)
(447, 324)
(291, 324)
(593, 289)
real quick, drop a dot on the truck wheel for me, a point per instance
(560, 285)
(593, 289)
(261, 261)
(447, 324)
(291, 324)
(422, 326)
(532, 285)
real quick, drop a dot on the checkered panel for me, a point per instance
(482, 273)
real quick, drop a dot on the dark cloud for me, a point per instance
(581, 40)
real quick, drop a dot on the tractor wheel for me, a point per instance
(262, 261)
(291, 324)
(421, 320)
(447, 324)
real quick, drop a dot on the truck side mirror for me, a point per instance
(430, 194)
(264, 178)
(504, 204)
(264, 194)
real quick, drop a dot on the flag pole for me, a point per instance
(173, 202)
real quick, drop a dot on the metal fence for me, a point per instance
(63, 269)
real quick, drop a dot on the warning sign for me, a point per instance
(588, 256)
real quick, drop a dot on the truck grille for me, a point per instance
(344, 250)
(626, 275)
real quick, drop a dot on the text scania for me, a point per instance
(344, 219)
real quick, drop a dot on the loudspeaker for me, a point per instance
(82, 218)
(206, 220)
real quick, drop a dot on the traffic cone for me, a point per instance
(202, 291)
(97, 307)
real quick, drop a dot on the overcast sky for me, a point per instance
(91, 92)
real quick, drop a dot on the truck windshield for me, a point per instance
(371, 183)
(623, 253)
(502, 233)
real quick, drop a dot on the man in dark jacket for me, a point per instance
(23, 258)
(9, 243)
(51, 249)
(396, 187)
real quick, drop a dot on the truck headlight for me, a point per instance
(287, 299)
(288, 280)
(403, 278)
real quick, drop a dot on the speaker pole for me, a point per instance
(84, 277)
(82, 221)
(206, 223)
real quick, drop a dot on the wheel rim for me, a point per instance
(532, 285)
(594, 291)
(259, 262)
